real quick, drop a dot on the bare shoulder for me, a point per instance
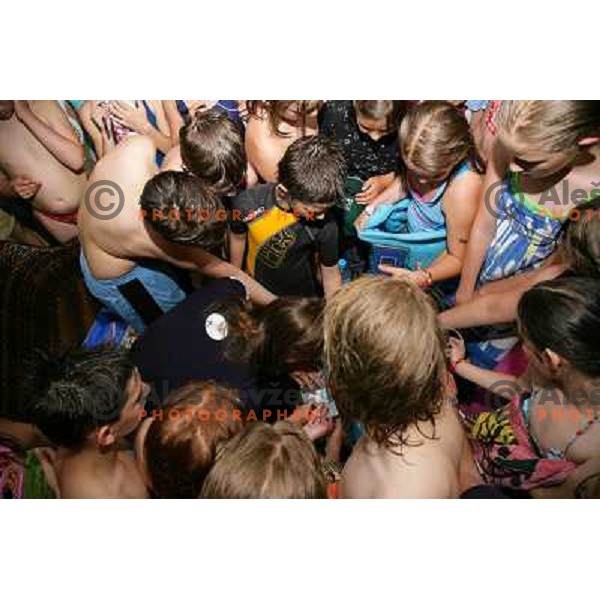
(81, 477)
(464, 187)
(129, 165)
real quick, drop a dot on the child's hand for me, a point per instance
(455, 350)
(24, 187)
(373, 187)
(418, 277)
(308, 380)
(319, 423)
(133, 118)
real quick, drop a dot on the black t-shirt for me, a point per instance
(281, 246)
(188, 344)
(365, 157)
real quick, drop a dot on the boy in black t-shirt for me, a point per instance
(286, 224)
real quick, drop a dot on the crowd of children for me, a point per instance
(311, 299)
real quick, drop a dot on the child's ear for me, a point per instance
(105, 437)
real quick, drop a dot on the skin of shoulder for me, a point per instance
(264, 148)
(376, 472)
(84, 477)
(129, 167)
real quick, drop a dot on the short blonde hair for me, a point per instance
(384, 352)
(548, 125)
(267, 461)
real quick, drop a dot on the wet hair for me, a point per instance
(267, 461)
(580, 246)
(549, 126)
(313, 171)
(179, 452)
(275, 112)
(384, 355)
(212, 148)
(390, 110)
(179, 207)
(279, 338)
(436, 138)
(563, 315)
(86, 390)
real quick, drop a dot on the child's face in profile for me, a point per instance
(534, 163)
(136, 393)
(309, 213)
(374, 128)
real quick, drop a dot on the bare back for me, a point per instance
(111, 245)
(90, 474)
(437, 468)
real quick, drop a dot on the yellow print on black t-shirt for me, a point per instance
(273, 253)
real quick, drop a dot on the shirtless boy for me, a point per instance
(42, 162)
(91, 405)
(127, 259)
(385, 357)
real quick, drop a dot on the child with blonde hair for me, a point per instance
(266, 462)
(442, 182)
(384, 353)
(545, 162)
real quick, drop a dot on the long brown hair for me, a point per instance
(284, 336)
(580, 248)
(391, 110)
(436, 138)
(275, 111)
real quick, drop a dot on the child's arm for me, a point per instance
(53, 130)
(485, 378)
(492, 305)
(136, 120)
(329, 254)
(332, 279)
(90, 117)
(482, 310)
(482, 232)
(174, 119)
(237, 248)
(194, 258)
(460, 206)
(553, 267)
